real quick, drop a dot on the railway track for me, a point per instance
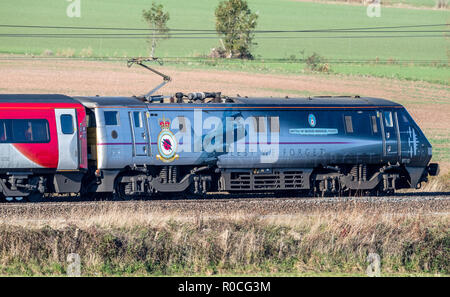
(226, 204)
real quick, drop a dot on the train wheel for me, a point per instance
(102, 196)
(121, 193)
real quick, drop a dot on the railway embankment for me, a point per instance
(227, 235)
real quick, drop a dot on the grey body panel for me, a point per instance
(397, 141)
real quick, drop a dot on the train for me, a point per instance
(198, 143)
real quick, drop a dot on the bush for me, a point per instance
(315, 62)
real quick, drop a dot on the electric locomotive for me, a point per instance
(195, 143)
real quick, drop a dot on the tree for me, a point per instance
(157, 20)
(235, 22)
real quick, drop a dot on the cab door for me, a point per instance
(391, 135)
(68, 147)
(141, 136)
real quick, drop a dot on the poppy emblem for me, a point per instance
(167, 145)
(312, 120)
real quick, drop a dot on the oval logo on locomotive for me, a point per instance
(167, 143)
(312, 120)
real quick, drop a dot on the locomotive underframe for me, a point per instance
(33, 185)
(148, 181)
(329, 180)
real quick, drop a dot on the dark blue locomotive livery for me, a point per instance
(201, 143)
(324, 145)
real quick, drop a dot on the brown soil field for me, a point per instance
(428, 103)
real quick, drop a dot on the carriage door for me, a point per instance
(66, 127)
(391, 135)
(141, 136)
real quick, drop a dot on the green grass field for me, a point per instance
(199, 14)
(408, 52)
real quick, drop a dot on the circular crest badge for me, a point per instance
(312, 120)
(167, 143)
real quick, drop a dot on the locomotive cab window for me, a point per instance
(67, 124)
(388, 119)
(111, 118)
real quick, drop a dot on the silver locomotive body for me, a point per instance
(326, 145)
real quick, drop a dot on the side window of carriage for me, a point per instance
(137, 119)
(264, 124)
(374, 124)
(24, 131)
(182, 125)
(5, 131)
(348, 124)
(260, 124)
(111, 118)
(67, 124)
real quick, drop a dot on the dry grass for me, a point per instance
(66, 53)
(86, 52)
(127, 241)
(286, 211)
